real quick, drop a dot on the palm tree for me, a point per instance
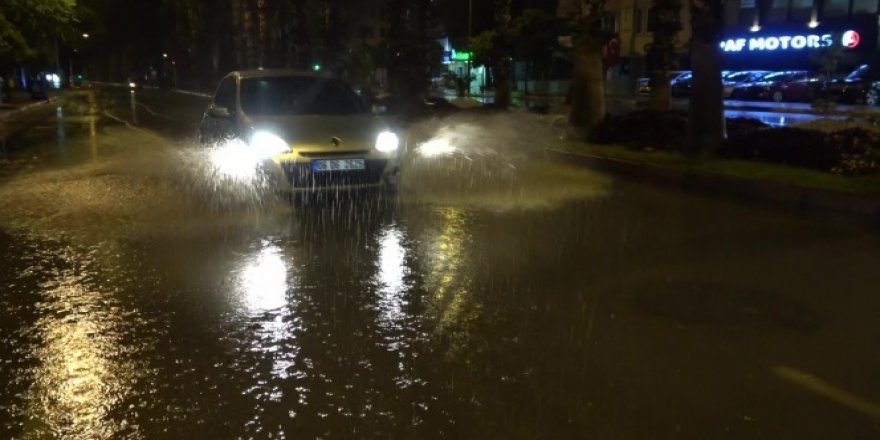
(588, 85)
(661, 53)
(706, 118)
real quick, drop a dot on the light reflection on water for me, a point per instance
(263, 280)
(83, 374)
(391, 271)
(263, 289)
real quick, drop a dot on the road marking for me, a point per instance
(127, 124)
(825, 389)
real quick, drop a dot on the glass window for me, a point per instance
(778, 11)
(637, 20)
(835, 8)
(652, 19)
(864, 6)
(800, 10)
(225, 96)
(298, 95)
(747, 13)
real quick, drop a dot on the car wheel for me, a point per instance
(777, 96)
(872, 98)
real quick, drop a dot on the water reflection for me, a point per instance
(390, 277)
(263, 286)
(779, 119)
(449, 282)
(263, 280)
(82, 376)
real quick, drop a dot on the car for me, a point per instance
(681, 85)
(790, 85)
(861, 86)
(644, 83)
(733, 79)
(303, 131)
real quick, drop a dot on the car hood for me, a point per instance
(315, 131)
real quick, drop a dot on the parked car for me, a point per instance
(681, 85)
(861, 86)
(644, 86)
(735, 78)
(306, 131)
(790, 85)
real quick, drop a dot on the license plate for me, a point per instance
(338, 165)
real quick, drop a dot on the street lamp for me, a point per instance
(164, 55)
(85, 35)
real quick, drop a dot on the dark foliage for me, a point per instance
(847, 151)
(643, 130)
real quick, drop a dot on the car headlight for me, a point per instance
(265, 145)
(387, 141)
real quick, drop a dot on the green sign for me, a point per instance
(461, 56)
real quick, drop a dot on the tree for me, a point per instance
(413, 55)
(706, 112)
(588, 85)
(666, 20)
(534, 38)
(29, 29)
(502, 52)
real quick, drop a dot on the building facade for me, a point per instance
(789, 34)
(632, 22)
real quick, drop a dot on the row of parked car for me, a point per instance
(861, 86)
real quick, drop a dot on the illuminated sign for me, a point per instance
(461, 56)
(850, 40)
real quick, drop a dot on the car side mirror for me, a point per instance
(379, 109)
(218, 111)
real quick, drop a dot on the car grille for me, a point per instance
(300, 175)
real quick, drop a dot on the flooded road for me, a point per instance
(499, 296)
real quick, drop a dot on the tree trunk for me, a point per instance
(660, 98)
(502, 53)
(706, 112)
(262, 33)
(587, 86)
(239, 33)
(661, 53)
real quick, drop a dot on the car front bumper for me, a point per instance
(298, 175)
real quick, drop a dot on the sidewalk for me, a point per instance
(22, 112)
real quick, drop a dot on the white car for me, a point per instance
(306, 131)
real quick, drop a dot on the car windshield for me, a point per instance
(859, 73)
(298, 95)
(779, 76)
(743, 76)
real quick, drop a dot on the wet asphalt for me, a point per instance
(498, 295)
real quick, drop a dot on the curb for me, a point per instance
(12, 125)
(31, 106)
(183, 92)
(758, 191)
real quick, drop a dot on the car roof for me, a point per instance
(265, 73)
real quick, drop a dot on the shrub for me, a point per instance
(643, 130)
(844, 151)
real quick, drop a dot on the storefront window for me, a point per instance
(835, 8)
(747, 12)
(864, 7)
(801, 10)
